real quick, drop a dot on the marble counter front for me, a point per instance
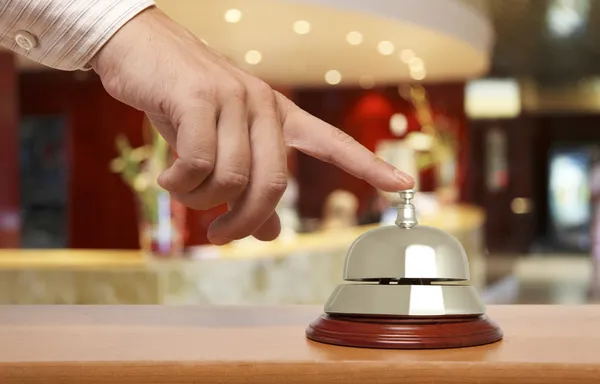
(300, 270)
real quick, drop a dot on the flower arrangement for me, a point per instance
(441, 141)
(441, 149)
(139, 168)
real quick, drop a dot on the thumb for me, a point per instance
(323, 141)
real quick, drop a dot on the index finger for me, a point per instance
(325, 142)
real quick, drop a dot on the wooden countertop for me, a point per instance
(140, 344)
(453, 219)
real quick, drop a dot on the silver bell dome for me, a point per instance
(395, 253)
(406, 270)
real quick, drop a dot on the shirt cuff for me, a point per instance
(63, 34)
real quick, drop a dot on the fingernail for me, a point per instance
(404, 178)
(220, 241)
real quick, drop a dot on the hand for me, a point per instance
(229, 129)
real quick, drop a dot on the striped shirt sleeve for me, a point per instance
(63, 34)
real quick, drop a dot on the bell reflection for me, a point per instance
(426, 300)
(419, 261)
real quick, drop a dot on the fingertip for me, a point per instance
(389, 179)
(270, 230)
(219, 232)
(184, 176)
(162, 180)
(219, 241)
(168, 179)
(404, 180)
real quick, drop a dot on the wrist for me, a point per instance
(110, 55)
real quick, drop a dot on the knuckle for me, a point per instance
(235, 90)
(263, 92)
(204, 91)
(263, 101)
(200, 162)
(210, 91)
(275, 186)
(234, 181)
(342, 137)
(201, 101)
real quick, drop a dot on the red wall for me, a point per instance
(9, 160)
(365, 115)
(101, 207)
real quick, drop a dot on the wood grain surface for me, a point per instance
(160, 344)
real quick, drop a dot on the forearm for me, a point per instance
(63, 34)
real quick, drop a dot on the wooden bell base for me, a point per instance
(405, 332)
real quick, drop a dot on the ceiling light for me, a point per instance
(333, 77)
(386, 48)
(302, 27)
(493, 98)
(204, 41)
(366, 82)
(398, 124)
(418, 75)
(253, 57)
(416, 64)
(407, 55)
(354, 38)
(521, 205)
(565, 17)
(233, 15)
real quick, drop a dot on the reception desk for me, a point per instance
(300, 270)
(187, 344)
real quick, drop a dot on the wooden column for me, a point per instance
(9, 158)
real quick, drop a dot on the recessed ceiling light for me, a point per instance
(407, 55)
(416, 64)
(386, 48)
(333, 77)
(302, 27)
(253, 57)
(354, 38)
(233, 15)
(418, 75)
(204, 41)
(366, 82)
(566, 17)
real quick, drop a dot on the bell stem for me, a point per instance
(407, 217)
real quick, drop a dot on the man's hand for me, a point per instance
(229, 129)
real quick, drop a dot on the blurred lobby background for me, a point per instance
(493, 105)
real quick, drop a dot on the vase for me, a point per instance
(161, 224)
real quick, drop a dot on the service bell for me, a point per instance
(407, 287)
